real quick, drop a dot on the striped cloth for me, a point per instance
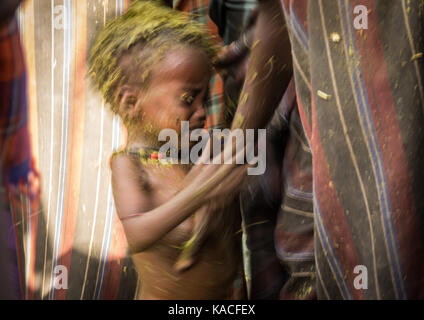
(277, 212)
(73, 135)
(294, 232)
(361, 99)
(230, 17)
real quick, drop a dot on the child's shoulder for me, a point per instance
(126, 165)
(124, 160)
(120, 157)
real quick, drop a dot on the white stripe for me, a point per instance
(109, 214)
(110, 206)
(302, 74)
(95, 203)
(105, 4)
(67, 49)
(51, 148)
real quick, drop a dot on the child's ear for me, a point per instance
(126, 99)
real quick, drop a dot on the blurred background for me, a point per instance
(72, 137)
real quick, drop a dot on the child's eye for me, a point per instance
(130, 102)
(187, 98)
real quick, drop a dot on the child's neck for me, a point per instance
(137, 140)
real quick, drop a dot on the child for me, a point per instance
(153, 67)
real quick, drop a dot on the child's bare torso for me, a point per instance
(211, 277)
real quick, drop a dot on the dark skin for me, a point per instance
(171, 201)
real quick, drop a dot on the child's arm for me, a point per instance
(146, 225)
(143, 226)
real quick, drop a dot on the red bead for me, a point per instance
(154, 155)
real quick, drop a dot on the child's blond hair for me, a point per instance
(147, 26)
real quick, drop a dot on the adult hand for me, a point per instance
(232, 60)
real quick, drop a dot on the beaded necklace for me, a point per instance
(148, 155)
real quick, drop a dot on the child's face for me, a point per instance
(177, 91)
